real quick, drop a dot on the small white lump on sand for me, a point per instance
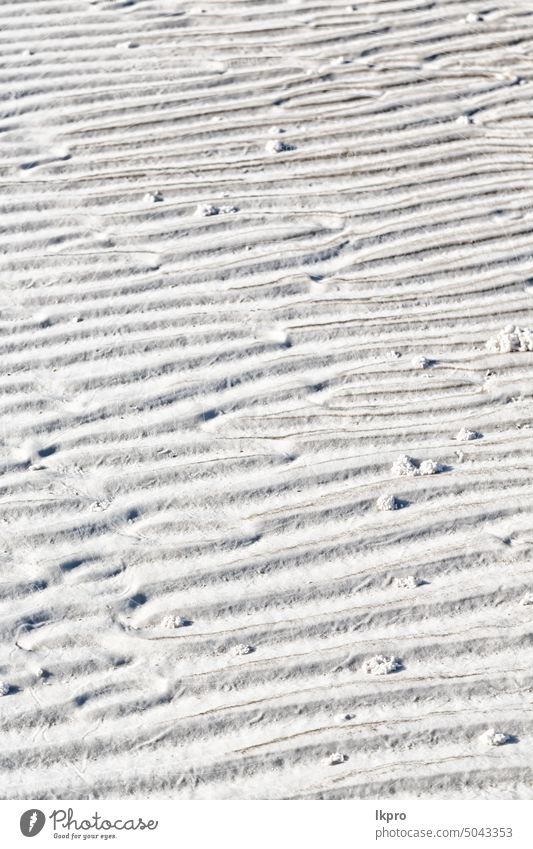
(278, 146)
(340, 60)
(466, 435)
(527, 599)
(335, 758)
(406, 466)
(155, 197)
(242, 648)
(387, 502)
(421, 362)
(4, 688)
(409, 582)
(491, 737)
(511, 339)
(169, 622)
(381, 664)
(429, 467)
(205, 210)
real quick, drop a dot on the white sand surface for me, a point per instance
(265, 267)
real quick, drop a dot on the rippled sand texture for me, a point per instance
(252, 256)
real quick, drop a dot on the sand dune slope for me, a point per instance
(266, 399)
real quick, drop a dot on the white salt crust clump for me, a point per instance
(340, 60)
(278, 146)
(511, 339)
(335, 758)
(429, 467)
(406, 466)
(409, 582)
(209, 209)
(491, 737)
(381, 664)
(173, 622)
(206, 209)
(527, 599)
(155, 197)
(4, 688)
(465, 435)
(387, 502)
(421, 362)
(241, 649)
